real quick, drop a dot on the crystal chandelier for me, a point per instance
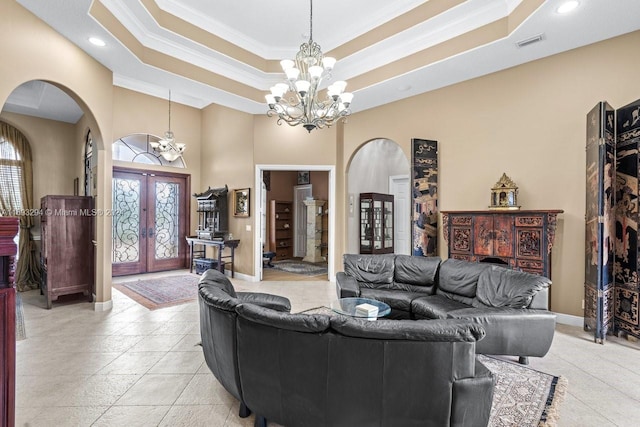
(167, 147)
(303, 105)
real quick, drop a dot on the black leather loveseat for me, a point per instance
(512, 306)
(320, 370)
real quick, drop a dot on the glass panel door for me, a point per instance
(128, 232)
(366, 232)
(166, 244)
(388, 224)
(377, 224)
(149, 222)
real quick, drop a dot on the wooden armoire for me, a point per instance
(67, 253)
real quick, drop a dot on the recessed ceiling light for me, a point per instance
(567, 6)
(96, 41)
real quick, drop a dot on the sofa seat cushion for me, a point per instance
(309, 323)
(370, 269)
(501, 287)
(274, 302)
(398, 300)
(435, 306)
(409, 330)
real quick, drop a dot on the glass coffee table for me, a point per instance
(347, 306)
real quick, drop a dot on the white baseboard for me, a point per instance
(103, 306)
(568, 319)
(242, 276)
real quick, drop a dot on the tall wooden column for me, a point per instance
(314, 230)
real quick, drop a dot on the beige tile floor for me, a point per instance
(135, 367)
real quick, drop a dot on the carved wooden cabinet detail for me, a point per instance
(518, 239)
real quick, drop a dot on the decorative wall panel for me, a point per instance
(599, 221)
(424, 162)
(624, 303)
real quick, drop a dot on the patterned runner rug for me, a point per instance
(162, 291)
(300, 267)
(522, 397)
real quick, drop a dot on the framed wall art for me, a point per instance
(303, 178)
(241, 202)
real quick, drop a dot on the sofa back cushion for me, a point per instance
(501, 287)
(218, 279)
(415, 273)
(460, 279)
(312, 323)
(370, 271)
(214, 296)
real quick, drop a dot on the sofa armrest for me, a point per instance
(346, 286)
(540, 300)
(472, 398)
(511, 331)
(274, 302)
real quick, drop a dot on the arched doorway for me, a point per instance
(57, 123)
(380, 166)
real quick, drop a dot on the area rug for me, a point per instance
(162, 291)
(522, 397)
(21, 333)
(301, 267)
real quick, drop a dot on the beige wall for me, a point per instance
(31, 50)
(134, 112)
(227, 159)
(528, 121)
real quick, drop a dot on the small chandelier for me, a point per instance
(304, 75)
(167, 147)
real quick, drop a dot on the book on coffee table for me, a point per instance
(366, 310)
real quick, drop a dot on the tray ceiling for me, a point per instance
(228, 53)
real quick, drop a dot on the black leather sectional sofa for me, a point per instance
(320, 370)
(511, 306)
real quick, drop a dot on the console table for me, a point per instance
(521, 239)
(219, 246)
(8, 250)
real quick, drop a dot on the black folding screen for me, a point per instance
(612, 287)
(424, 163)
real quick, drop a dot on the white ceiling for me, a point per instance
(266, 31)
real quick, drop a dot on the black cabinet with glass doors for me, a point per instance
(376, 223)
